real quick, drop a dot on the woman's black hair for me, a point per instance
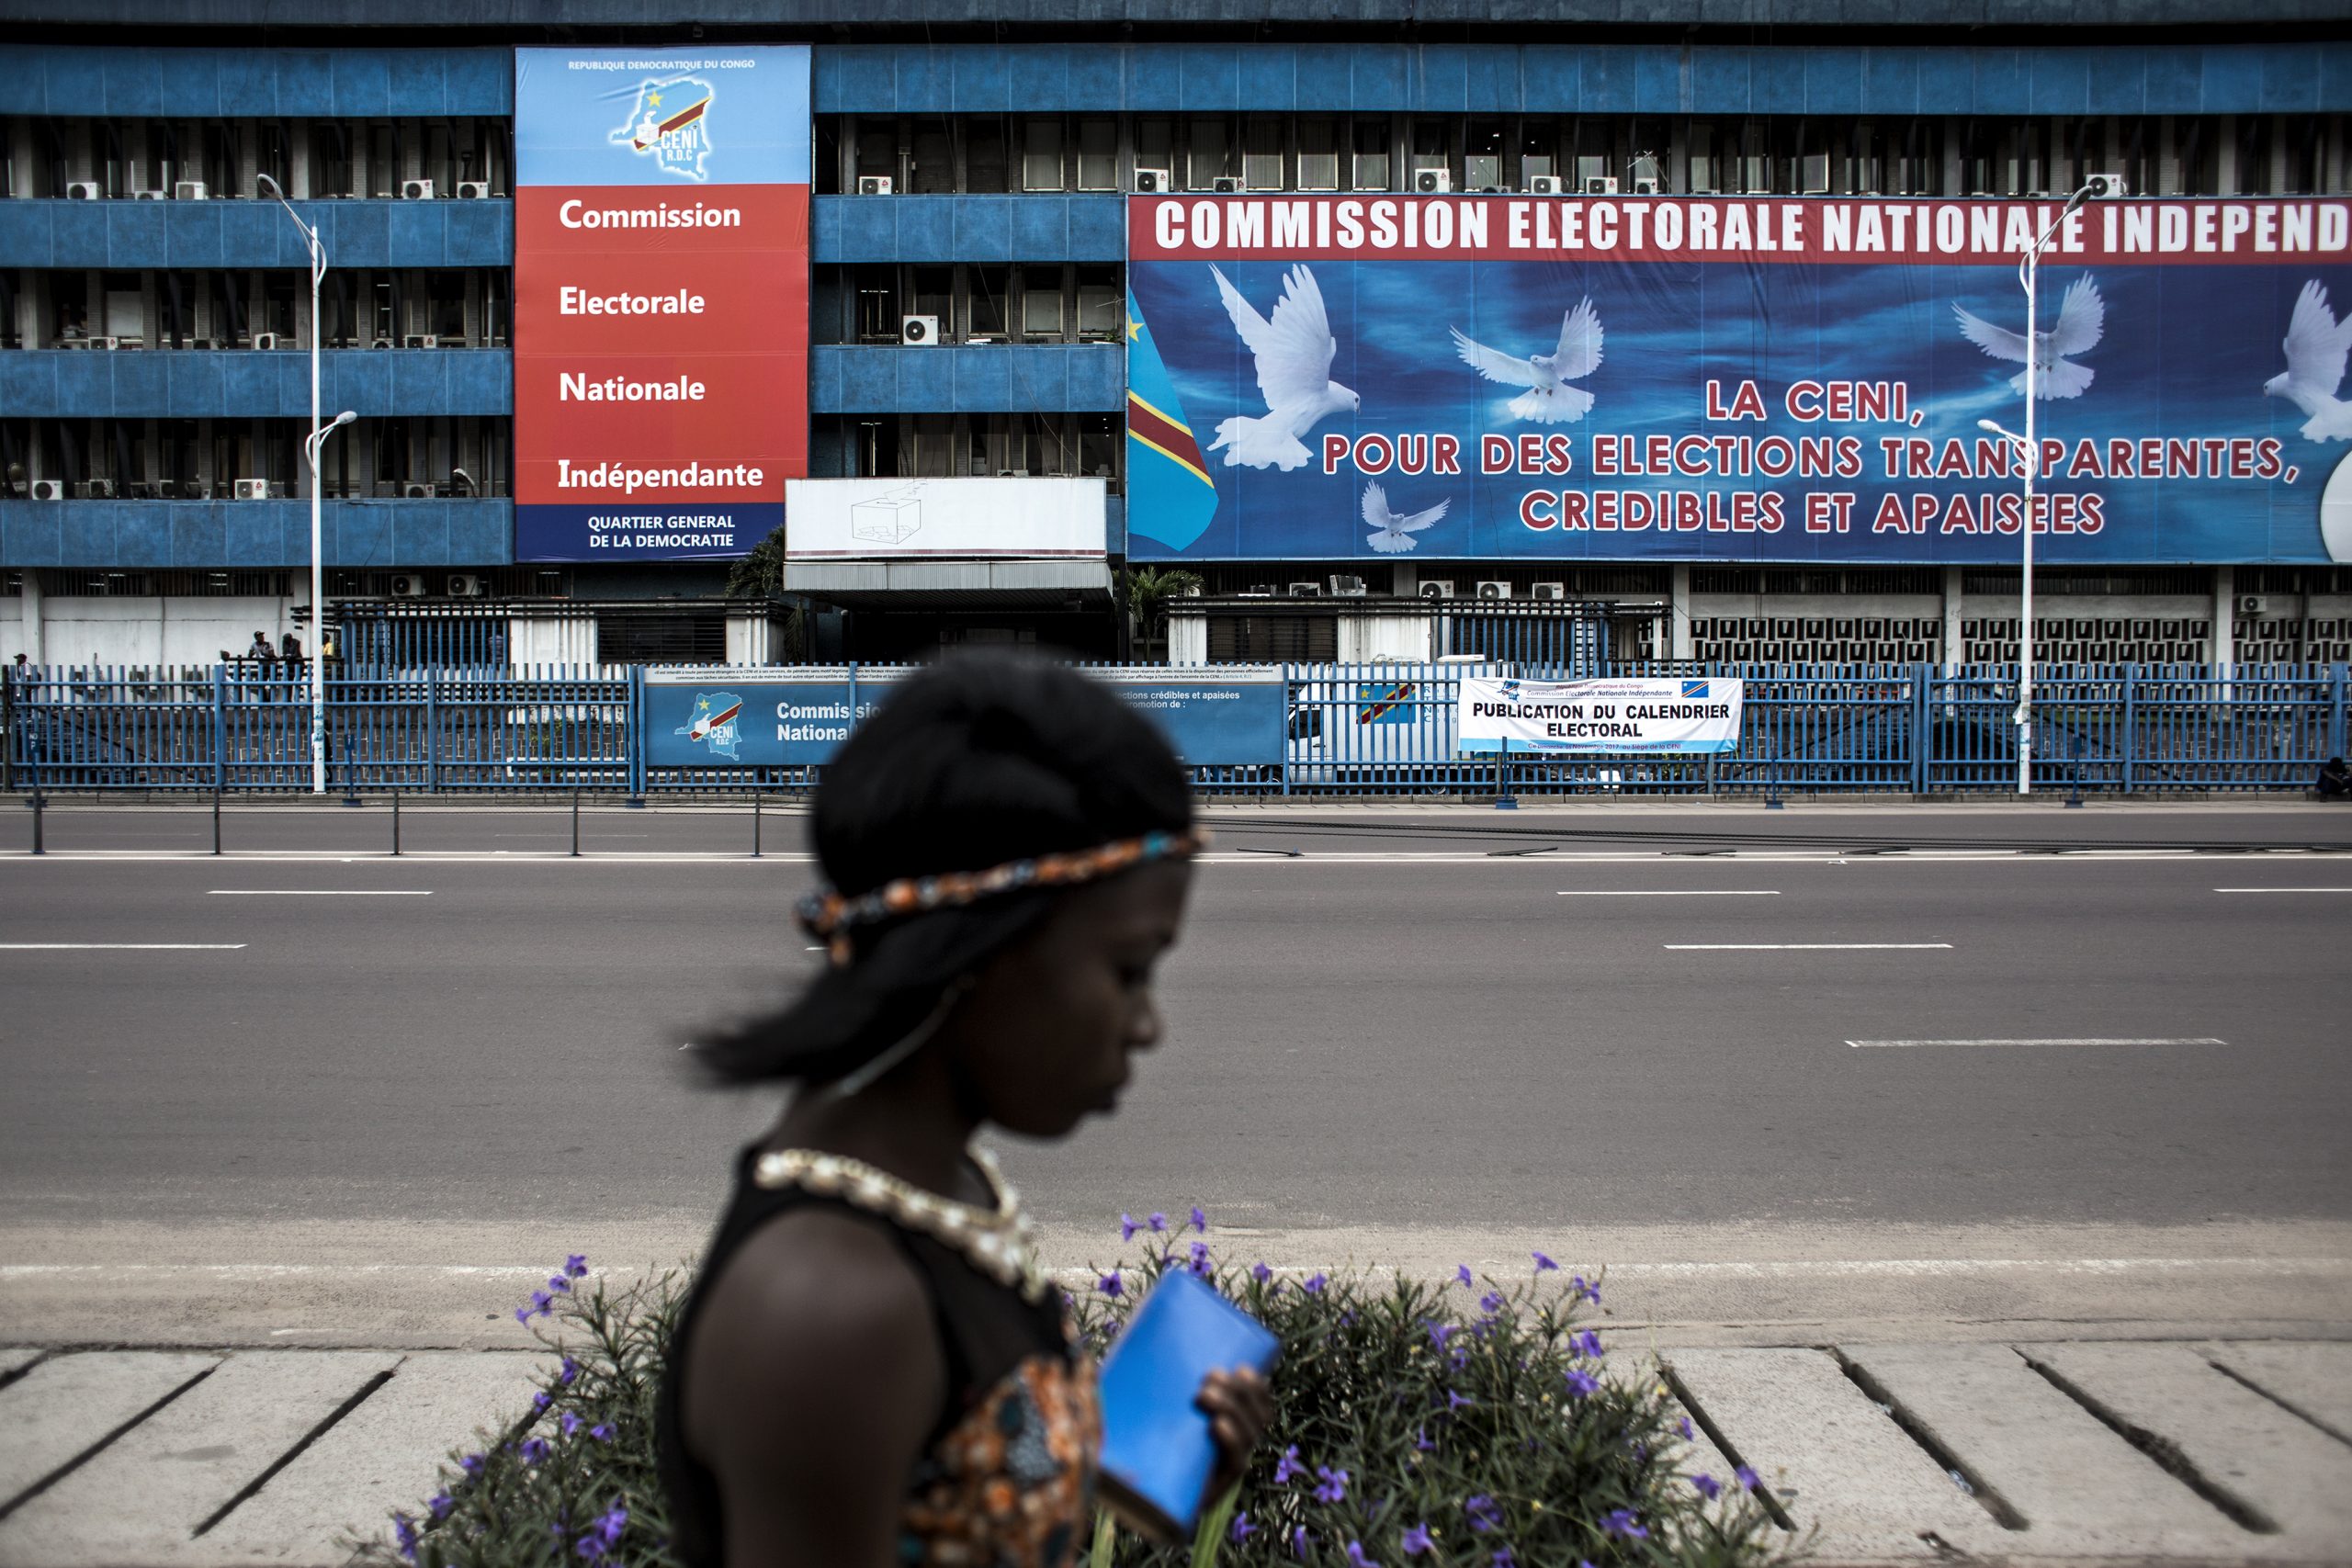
(976, 762)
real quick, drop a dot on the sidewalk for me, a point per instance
(2037, 1452)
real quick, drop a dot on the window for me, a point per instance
(1098, 444)
(683, 636)
(1482, 162)
(1371, 144)
(1262, 153)
(984, 155)
(877, 149)
(989, 287)
(1538, 150)
(1098, 155)
(1432, 146)
(1204, 154)
(1100, 307)
(878, 303)
(1041, 154)
(124, 318)
(1318, 154)
(937, 446)
(1041, 302)
(1272, 640)
(935, 295)
(1592, 152)
(931, 170)
(1155, 145)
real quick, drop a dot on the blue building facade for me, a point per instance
(156, 319)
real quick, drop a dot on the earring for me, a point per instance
(864, 1077)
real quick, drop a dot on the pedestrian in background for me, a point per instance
(2334, 780)
(873, 1370)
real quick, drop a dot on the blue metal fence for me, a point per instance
(1369, 730)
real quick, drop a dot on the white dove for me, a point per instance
(2316, 344)
(1392, 534)
(2082, 320)
(1549, 399)
(1293, 353)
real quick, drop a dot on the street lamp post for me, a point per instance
(310, 444)
(2028, 270)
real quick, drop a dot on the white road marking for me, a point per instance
(2283, 890)
(1311, 858)
(320, 892)
(119, 946)
(1670, 892)
(1804, 946)
(2182, 1039)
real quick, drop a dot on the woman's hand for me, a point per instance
(1240, 1406)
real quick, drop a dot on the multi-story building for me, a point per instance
(968, 300)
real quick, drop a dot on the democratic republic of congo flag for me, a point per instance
(1170, 497)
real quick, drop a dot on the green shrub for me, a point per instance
(1456, 1425)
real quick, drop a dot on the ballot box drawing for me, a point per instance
(886, 519)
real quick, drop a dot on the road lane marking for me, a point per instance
(2283, 890)
(1670, 892)
(320, 892)
(1804, 946)
(2181, 1040)
(120, 946)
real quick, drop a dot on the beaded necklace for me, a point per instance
(996, 1241)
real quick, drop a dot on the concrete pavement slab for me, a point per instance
(383, 1456)
(140, 1500)
(1831, 1456)
(66, 1404)
(2313, 1380)
(15, 1357)
(2074, 1487)
(2241, 1443)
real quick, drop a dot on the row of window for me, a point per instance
(401, 457)
(975, 302)
(64, 156)
(241, 307)
(1920, 155)
(948, 445)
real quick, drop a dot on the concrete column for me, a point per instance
(1955, 645)
(29, 611)
(2225, 608)
(1679, 639)
(2225, 161)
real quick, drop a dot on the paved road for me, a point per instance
(1395, 1044)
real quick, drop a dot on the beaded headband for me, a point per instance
(830, 917)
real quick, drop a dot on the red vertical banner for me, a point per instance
(661, 301)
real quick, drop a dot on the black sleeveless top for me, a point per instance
(1007, 1475)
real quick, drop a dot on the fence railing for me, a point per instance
(1356, 731)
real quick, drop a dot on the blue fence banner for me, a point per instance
(1214, 718)
(1613, 715)
(1539, 378)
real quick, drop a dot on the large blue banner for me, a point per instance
(1534, 379)
(760, 717)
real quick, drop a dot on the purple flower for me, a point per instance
(1745, 1477)
(1299, 1541)
(542, 1300)
(1200, 1263)
(1200, 1221)
(1707, 1486)
(1111, 1285)
(1454, 1401)
(1622, 1521)
(523, 1315)
(1439, 1332)
(533, 1449)
(542, 1400)
(1491, 1302)
(571, 1423)
(1504, 1559)
(1586, 1343)
(1127, 1229)
(1542, 1263)
(1313, 1285)
(1684, 1427)
(1289, 1467)
(1242, 1529)
(1577, 1287)
(1461, 1272)
(1260, 1273)
(1581, 1383)
(589, 1547)
(1356, 1559)
(570, 1370)
(576, 1265)
(406, 1533)
(1421, 1440)
(1333, 1486)
(471, 1465)
(1483, 1513)
(558, 1283)
(1158, 1222)
(612, 1523)
(601, 1432)
(1416, 1540)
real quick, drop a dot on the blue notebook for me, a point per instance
(1157, 1450)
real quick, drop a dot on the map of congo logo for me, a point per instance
(670, 125)
(714, 720)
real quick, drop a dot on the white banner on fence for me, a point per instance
(1623, 715)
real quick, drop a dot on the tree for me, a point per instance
(1150, 590)
(759, 575)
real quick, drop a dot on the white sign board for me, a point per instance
(967, 519)
(1622, 715)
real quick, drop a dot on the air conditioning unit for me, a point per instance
(1645, 188)
(1435, 588)
(1601, 185)
(1494, 590)
(82, 190)
(2106, 188)
(1432, 182)
(875, 185)
(1551, 591)
(267, 340)
(1151, 182)
(419, 340)
(1258, 590)
(2251, 605)
(188, 190)
(105, 342)
(1305, 591)
(379, 342)
(473, 190)
(151, 195)
(1543, 184)
(99, 490)
(1347, 587)
(464, 585)
(417, 190)
(48, 490)
(416, 489)
(252, 490)
(407, 585)
(1226, 185)
(919, 332)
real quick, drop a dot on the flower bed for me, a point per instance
(1467, 1423)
